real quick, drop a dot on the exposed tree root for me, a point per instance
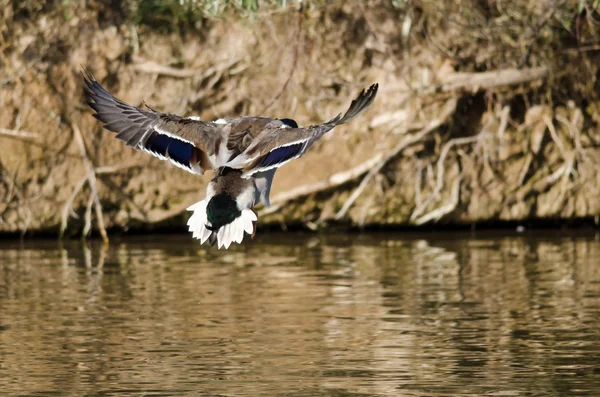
(439, 212)
(416, 215)
(333, 181)
(433, 125)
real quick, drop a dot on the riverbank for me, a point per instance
(485, 115)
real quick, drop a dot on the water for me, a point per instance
(301, 315)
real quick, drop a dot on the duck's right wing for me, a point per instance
(276, 146)
(188, 143)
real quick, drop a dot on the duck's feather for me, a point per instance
(262, 182)
(232, 232)
(244, 130)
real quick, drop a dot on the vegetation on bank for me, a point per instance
(172, 15)
(488, 109)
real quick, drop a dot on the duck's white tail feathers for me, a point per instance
(227, 234)
(197, 222)
(234, 231)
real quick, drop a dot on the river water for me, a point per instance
(303, 315)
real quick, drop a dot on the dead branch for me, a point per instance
(91, 177)
(433, 125)
(472, 82)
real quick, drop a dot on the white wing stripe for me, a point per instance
(171, 135)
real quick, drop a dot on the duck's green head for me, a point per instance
(221, 210)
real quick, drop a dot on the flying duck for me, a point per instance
(244, 152)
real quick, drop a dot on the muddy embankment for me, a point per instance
(486, 112)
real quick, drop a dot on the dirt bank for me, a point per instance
(486, 111)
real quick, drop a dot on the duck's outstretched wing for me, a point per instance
(275, 147)
(188, 143)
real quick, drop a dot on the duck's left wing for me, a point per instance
(275, 147)
(188, 143)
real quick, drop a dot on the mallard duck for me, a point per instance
(244, 153)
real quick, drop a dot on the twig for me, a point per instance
(112, 169)
(91, 177)
(430, 176)
(87, 227)
(433, 125)
(418, 183)
(155, 68)
(294, 64)
(503, 123)
(555, 138)
(19, 134)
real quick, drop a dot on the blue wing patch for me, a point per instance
(158, 144)
(180, 152)
(176, 150)
(281, 154)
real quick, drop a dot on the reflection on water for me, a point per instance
(293, 315)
